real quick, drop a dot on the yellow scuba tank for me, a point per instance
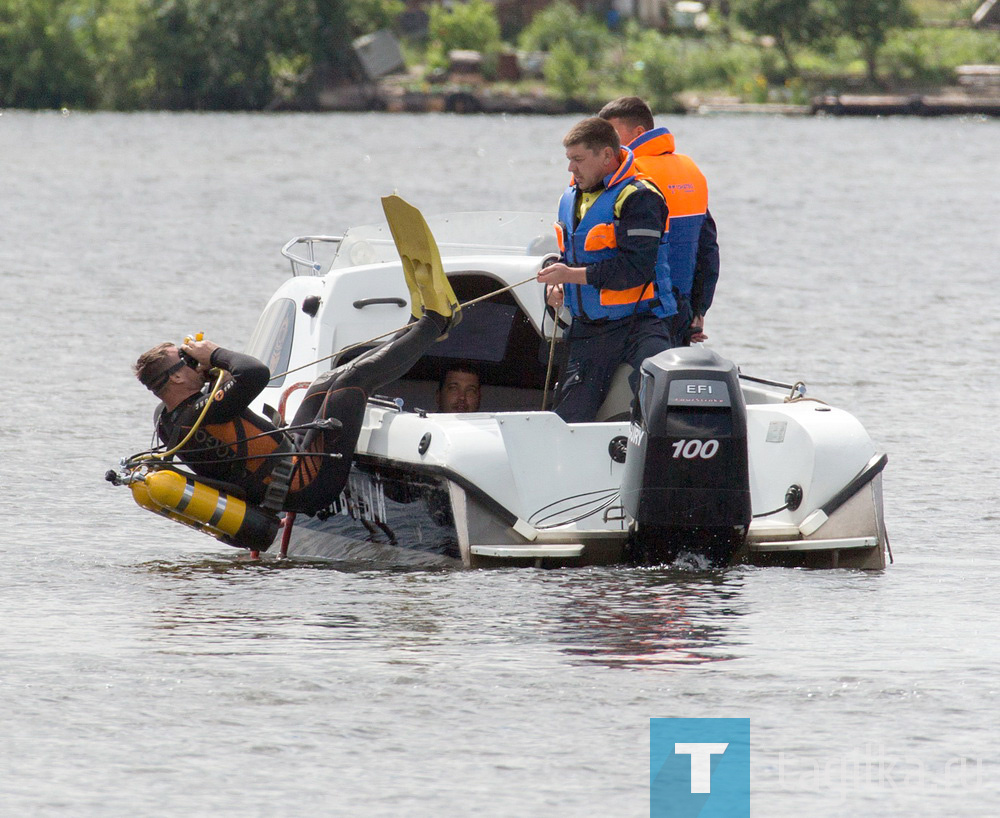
(215, 512)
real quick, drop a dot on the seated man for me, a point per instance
(272, 466)
(458, 389)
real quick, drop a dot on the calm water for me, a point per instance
(146, 670)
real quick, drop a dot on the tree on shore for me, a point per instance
(179, 54)
(43, 62)
(790, 23)
(868, 22)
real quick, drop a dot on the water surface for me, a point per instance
(149, 670)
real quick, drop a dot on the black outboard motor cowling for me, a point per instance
(686, 483)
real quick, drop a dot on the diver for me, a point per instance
(304, 467)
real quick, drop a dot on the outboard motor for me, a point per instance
(686, 483)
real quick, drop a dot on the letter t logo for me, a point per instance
(701, 763)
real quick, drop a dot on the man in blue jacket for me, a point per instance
(613, 276)
(691, 237)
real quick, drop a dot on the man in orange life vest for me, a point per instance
(613, 276)
(692, 241)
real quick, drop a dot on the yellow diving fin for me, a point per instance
(429, 287)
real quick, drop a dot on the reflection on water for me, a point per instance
(630, 618)
(654, 618)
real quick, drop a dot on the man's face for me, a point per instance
(460, 393)
(589, 167)
(626, 133)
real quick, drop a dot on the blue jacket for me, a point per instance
(601, 235)
(693, 249)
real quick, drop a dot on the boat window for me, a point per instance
(481, 335)
(272, 339)
(493, 232)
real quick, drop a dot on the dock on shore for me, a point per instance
(483, 99)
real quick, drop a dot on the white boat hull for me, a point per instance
(515, 487)
(500, 489)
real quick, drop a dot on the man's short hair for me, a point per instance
(458, 366)
(632, 111)
(594, 134)
(151, 365)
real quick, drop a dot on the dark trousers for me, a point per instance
(341, 394)
(596, 351)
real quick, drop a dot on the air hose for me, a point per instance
(141, 458)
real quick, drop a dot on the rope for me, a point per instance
(552, 353)
(607, 497)
(318, 424)
(796, 395)
(398, 329)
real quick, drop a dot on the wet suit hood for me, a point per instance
(653, 143)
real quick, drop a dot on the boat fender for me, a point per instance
(214, 512)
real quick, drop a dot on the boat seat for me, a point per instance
(617, 404)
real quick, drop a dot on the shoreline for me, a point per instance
(465, 100)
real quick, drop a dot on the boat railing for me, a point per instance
(313, 266)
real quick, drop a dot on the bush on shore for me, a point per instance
(255, 54)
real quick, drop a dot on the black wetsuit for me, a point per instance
(229, 435)
(340, 394)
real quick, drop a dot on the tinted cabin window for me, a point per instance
(494, 334)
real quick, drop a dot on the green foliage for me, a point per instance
(722, 65)
(208, 55)
(247, 54)
(658, 66)
(790, 23)
(435, 61)
(655, 68)
(109, 44)
(868, 22)
(566, 71)
(562, 23)
(201, 54)
(366, 16)
(931, 55)
(43, 59)
(756, 89)
(472, 25)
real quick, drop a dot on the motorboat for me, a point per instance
(704, 462)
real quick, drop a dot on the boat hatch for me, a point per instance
(497, 338)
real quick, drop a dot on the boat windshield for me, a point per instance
(457, 234)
